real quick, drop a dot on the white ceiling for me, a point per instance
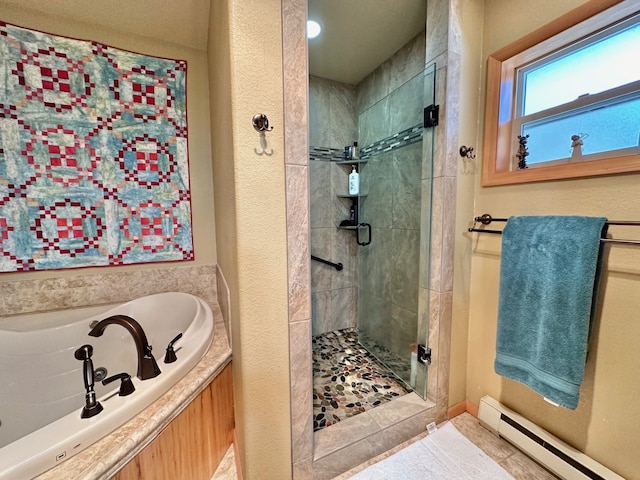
(358, 35)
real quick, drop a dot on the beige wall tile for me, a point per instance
(301, 393)
(298, 255)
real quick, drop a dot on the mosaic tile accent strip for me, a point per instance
(326, 153)
(347, 380)
(395, 141)
(93, 155)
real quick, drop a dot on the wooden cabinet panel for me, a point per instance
(193, 445)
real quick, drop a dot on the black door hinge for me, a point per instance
(424, 354)
(431, 115)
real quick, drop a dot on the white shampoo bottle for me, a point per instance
(354, 182)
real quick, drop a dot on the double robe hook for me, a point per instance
(261, 123)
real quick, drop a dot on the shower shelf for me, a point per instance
(350, 162)
(352, 196)
(356, 229)
(355, 199)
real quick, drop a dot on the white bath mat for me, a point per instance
(445, 454)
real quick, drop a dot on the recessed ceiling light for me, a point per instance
(313, 29)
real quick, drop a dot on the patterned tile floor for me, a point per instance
(514, 461)
(347, 380)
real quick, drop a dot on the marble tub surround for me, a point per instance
(347, 379)
(224, 301)
(105, 457)
(44, 294)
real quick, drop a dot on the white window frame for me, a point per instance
(502, 120)
(627, 92)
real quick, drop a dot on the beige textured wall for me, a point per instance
(246, 79)
(605, 423)
(466, 16)
(26, 14)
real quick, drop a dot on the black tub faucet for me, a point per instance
(147, 366)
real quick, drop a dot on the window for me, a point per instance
(572, 91)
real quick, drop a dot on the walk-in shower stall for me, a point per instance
(381, 235)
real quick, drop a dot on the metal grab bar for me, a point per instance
(486, 219)
(337, 266)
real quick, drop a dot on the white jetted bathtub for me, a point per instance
(42, 386)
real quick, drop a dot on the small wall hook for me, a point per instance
(261, 123)
(467, 152)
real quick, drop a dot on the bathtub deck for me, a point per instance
(227, 468)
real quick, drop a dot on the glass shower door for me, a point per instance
(394, 268)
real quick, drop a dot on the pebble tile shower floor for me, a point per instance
(347, 380)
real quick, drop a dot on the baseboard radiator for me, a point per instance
(558, 457)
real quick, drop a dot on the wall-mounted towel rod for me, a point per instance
(486, 219)
(337, 266)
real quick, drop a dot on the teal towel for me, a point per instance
(548, 278)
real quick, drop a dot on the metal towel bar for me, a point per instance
(487, 219)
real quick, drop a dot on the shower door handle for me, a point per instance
(368, 225)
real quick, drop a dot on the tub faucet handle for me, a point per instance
(170, 354)
(92, 406)
(126, 385)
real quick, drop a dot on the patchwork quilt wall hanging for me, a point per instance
(93, 155)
